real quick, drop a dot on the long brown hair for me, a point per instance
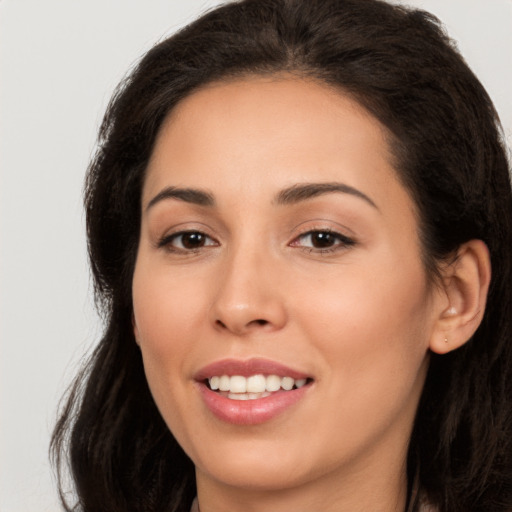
(401, 66)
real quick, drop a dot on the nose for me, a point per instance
(249, 295)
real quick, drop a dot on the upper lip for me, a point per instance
(248, 367)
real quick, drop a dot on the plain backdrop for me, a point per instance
(59, 62)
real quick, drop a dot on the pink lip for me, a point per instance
(249, 412)
(248, 368)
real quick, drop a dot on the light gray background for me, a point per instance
(59, 62)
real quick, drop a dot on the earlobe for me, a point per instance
(465, 286)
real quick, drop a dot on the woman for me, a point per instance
(292, 219)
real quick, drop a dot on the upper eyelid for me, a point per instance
(186, 227)
(315, 225)
(334, 234)
(181, 232)
(321, 223)
(341, 236)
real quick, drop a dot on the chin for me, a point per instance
(259, 465)
(257, 475)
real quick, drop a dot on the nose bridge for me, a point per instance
(247, 297)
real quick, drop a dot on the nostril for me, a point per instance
(241, 327)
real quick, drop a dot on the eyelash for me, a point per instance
(166, 242)
(341, 241)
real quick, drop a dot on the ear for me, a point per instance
(465, 285)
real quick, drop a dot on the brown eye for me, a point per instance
(193, 240)
(322, 241)
(187, 241)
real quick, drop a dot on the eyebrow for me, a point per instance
(290, 195)
(188, 195)
(302, 192)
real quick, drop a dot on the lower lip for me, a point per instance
(250, 412)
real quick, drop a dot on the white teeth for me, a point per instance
(247, 396)
(254, 396)
(224, 383)
(238, 384)
(214, 383)
(287, 383)
(300, 382)
(273, 383)
(255, 386)
(238, 396)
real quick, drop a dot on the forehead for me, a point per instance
(258, 106)
(273, 131)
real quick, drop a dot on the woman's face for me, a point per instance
(278, 249)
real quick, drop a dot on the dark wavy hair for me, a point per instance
(449, 153)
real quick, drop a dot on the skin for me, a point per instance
(359, 318)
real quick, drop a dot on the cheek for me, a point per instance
(165, 316)
(373, 326)
(370, 335)
(166, 326)
(165, 308)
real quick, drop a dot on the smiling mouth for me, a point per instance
(252, 391)
(253, 387)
